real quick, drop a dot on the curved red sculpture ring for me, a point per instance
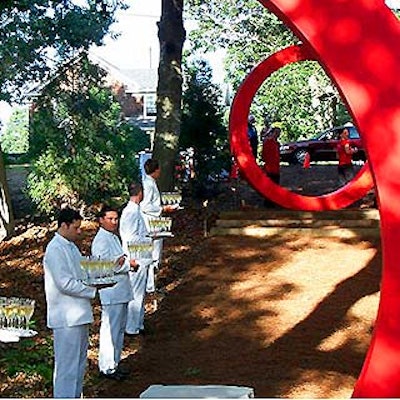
(241, 150)
(356, 41)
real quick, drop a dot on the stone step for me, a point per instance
(347, 214)
(298, 223)
(342, 223)
(257, 231)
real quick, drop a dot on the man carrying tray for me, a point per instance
(152, 208)
(69, 310)
(114, 300)
(133, 230)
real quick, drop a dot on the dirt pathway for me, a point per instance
(291, 317)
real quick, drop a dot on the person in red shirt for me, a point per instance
(271, 154)
(345, 155)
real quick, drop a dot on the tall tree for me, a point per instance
(203, 127)
(36, 36)
(171, 35)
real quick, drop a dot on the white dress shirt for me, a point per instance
(151, 203)
(107, 246)
(132, 226)
(67, 298)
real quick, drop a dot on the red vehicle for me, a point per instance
(322, 147)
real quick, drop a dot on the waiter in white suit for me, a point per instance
(152, 208)
(114, 300)
(69, 310)
(132, 229)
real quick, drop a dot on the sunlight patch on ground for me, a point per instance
(313, 384)
(362, 308)
(296, 297)
(360, 312)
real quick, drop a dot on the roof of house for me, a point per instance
(137, 80)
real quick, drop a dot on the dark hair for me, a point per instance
(105, 209)
(151, 165)
(135, 188)
(68, 215)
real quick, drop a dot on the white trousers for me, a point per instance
(135, 318)
(112, 329)
(70, 357)
(157, 253)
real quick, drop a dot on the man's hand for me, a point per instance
(121, 260)
(170, 207)
(134, 265)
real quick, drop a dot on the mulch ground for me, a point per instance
(289, 316)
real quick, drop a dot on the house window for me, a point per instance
(150, 105)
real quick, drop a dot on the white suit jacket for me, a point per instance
(107, 246)
(68, 299)
(132, 226)
(151, 203)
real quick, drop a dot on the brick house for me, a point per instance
(135, 90)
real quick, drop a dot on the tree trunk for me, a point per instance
(6, 213)
(171, 34)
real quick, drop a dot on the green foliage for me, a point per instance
(32, 32)
(83, 153)
(35, 359)
(202, 121)
(192, 372)
(300, 96)
(15, 139)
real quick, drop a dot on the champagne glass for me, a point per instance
(90, 267)
(29, 310)
(132, 247)
(100, 271)
(9, 313)
(14, 301)
(152, 225)
(156, 225)
(146, 248)
(85, 266)
(141, 249)
(108, 269)
(2, 312)
(19, 312)
(97, 271)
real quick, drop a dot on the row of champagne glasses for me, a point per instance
(16, 313)
(171, 198)
(161, 224)
(97, 271)
(141, 249)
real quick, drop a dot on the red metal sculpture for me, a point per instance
(346, 195)
(357, 42)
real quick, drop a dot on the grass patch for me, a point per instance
(31, 358)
